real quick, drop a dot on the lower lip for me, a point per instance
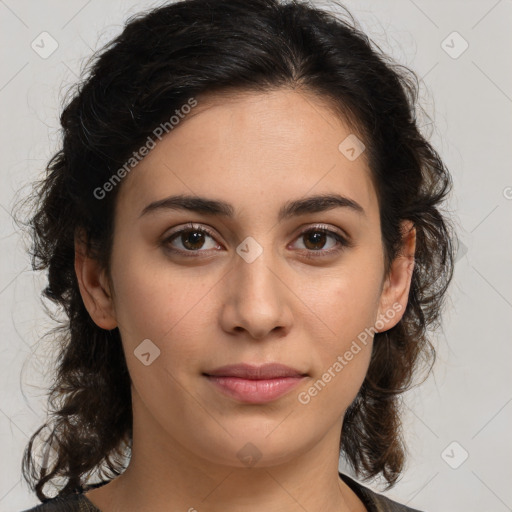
(254, 391)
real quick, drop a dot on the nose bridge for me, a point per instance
(256, 296)
(252, 269)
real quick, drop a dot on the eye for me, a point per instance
(192, 239)
(317, 237)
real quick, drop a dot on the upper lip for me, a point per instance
(255, 372)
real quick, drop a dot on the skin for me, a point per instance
(255, 151)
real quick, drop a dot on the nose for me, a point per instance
(257, 300)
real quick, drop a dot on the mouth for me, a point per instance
(255, 384)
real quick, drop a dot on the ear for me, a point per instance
(94, 287)
(395, 290)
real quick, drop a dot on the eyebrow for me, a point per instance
(313, 204)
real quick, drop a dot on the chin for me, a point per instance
(253, 447)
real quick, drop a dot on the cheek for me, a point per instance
(167, 308)
(334, 389)
(345, 302)
(159, 301)
(344, 361)
(345, 306)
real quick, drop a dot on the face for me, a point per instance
(205, 289)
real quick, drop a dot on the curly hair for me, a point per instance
(190, 49)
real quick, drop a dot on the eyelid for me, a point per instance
(190, 226)
(329, 229)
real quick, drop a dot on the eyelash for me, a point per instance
(343, 242)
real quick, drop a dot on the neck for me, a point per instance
(163, 472)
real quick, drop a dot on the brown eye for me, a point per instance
(189, 240)
(315, 240)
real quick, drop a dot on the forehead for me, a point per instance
(252, 146)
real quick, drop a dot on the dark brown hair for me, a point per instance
(189, 49)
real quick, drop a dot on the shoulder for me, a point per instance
(385, 504)
(373, 501)
(75, 502)
(69, 503)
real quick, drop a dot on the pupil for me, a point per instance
(317, 237)
(196, 235)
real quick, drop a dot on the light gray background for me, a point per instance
(467, 399)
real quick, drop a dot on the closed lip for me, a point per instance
(255, 372)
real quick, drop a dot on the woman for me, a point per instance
(243, 227)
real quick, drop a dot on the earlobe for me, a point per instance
(94, 287)
(395, 292)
